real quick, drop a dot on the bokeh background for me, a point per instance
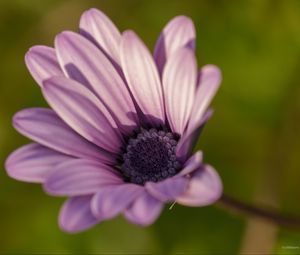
(253, 139)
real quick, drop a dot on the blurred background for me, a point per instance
(252, 139)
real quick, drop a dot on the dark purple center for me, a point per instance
(150, 156)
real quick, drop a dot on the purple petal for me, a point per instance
(112, 200)
(178, 33)
(192, 164)
(179, 83)
(80, 177)
(45, 127)
(205, 188)
(142, 76)
(169, 189)
(82, 111)
(85, 63)
(33, 163)
(144, 210)
(75, 215)
(188, 140)
(98, 28)
(209, 82)
(42, 63)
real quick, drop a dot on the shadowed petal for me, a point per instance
(85, 63)
(42, 63)
(33, 163)
(112, 200)
(209, 82)
(205, 188)
(80, 177)
(45, 127)
(178, 33)
(189, 140)
(192, 164)
(98, 28)
(144, 210)
(168, 189)
(82, 111)
(179, 84)
(75, 215)
(142, 76)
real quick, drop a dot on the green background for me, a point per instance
(252, 139)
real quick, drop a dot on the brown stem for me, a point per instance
(269, 214)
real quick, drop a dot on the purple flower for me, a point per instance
(119, 136)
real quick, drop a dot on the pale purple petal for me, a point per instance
(205, 188)
(179, 84)
(188, 140)
(168, 189)
(111, 200)
(144, 210)
(85, 63)
(80, 177)
(142, 76)
(45, 127)
(33, 163)
(98, 28)
(193, 163)
(82, 111)
(178, 33)
(75, 215)
(42, 63)
(209, 82)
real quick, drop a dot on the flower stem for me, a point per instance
(268, 214)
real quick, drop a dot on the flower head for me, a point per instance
(120, 131)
